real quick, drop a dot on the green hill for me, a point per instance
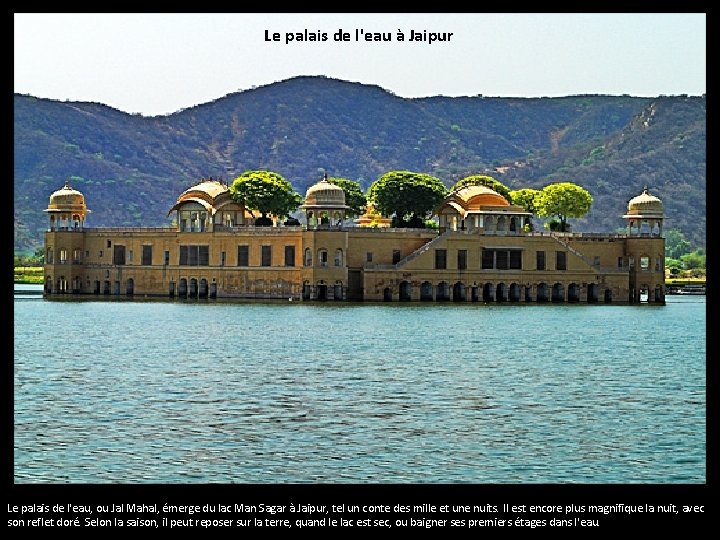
(131, 168)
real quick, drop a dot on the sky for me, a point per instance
(159, 63)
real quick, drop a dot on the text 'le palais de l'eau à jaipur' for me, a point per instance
(358, 34)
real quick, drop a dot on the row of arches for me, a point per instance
(64, 222)
(323, 217)
(182, 288)
(322, 257)
(193, 288)
(488, 223)
(404, 292)
(185, 288)
(649, 227)
(323, 290)
(490, 292)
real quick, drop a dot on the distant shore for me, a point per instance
(29, 275)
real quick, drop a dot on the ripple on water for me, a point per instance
(262, 393)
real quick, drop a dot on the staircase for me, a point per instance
(422, 249)
(575, 252)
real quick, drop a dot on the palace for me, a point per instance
(481, 252)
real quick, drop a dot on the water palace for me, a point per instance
(479, 253)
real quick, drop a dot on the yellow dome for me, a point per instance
(211, 194)
(475, 197)
(67, 199)
(211, 188)
(645, 205)
(324, 195)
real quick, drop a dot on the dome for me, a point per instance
(67, 199)
(210, 194)
(324, 195)
(211, 188)
(478, 196)
(645, 205)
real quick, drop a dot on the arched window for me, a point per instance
(322, 256)
(514, 294)
(528, 293)
(443, 291)
(658, 293)
(542, 292)
(573, 292)
(426, 291)
(490, 224)
(405, 291)
(592, 293)
(203, 291)
(500, 292)
(458, 292)
(308, 257)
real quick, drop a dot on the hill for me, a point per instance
(131, 168)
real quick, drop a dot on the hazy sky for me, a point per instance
(159, 63)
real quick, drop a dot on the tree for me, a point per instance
(695, 260)
(676, 244)
(563, 200)
(674, 266)
(526, 198)
(487, 181)
(410, 196)
(267, 192)
(354, 196)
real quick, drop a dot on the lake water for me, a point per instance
(153, 391)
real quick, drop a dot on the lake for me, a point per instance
(160, 391)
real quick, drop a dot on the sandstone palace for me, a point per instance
(481, 252)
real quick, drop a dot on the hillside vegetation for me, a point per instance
(131, 168)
